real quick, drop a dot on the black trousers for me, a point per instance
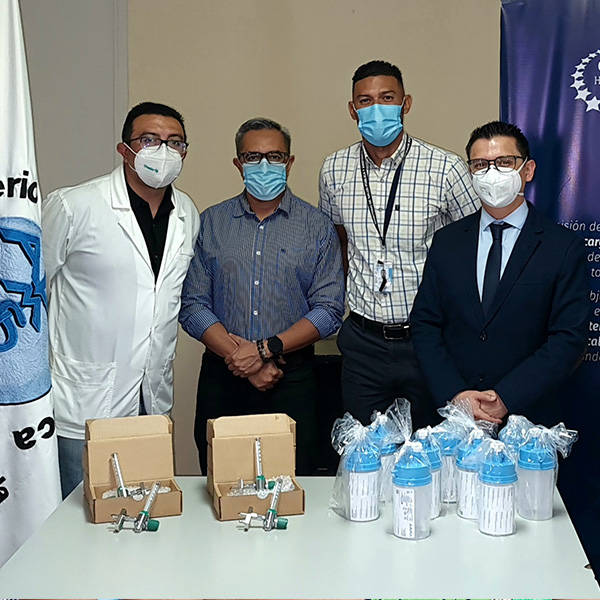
(376, 371)
(221, 393)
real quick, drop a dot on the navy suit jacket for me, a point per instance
(535, 333)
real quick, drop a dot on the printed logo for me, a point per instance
(586, 76)
(24, 372)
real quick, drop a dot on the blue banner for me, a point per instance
(550, 88)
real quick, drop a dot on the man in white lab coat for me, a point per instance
(116, 250)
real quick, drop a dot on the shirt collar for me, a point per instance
(243, 207)
(394, 160)
(516, 218)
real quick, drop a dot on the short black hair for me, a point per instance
(257, 124)
(377, 68)
(149, 108)
(499, 129)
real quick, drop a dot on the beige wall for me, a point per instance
(77, 61)
(221, 62)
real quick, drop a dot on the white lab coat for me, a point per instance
(112, 327)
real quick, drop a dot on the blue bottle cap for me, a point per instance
(363, 459)
(534, 455)
(413, 468)
(430, 447)
(467, 456)
(514, 432)
(389, 449)
(497, 467)
(448, 441)
(380, 436)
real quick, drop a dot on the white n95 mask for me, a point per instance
(498, 189)
(158, 167)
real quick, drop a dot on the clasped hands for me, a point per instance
(245, 361)
(487, 405)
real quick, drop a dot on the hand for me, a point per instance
(266, 378)
(245, 359)
(494, 407)
(480, 403)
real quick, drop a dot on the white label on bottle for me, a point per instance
(497, 509)
(436, 493)
(449, 479)
(364, 496)
(467, 494)
(385, 482)
(404, 512)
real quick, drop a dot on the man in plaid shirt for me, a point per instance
(387, 195)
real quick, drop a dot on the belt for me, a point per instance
(395, 331)
(292, 359)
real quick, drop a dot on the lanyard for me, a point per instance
(391, 197)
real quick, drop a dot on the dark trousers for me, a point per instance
(376, 371)
(221, 393)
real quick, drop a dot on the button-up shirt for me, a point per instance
(154, 229)
(258, 278)
(510, 235)
(435, 189)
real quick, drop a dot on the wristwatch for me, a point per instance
(275, 346)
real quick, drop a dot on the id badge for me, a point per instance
(383, 276)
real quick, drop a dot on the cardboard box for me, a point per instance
(231, 457)
(145, 449)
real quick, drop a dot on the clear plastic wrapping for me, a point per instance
(514, 433)
(412, 492)
(389, 430)
(355, 493)
(537, 469)
(457, 425)
(496, 499)
(468, 460)
(434, 453)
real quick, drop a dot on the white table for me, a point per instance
(320, 555)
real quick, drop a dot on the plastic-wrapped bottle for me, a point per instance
(536, 470)
(388, 458)
(434, 454)
(497, 477)
(363, 468)
(467, 464)
(448, 441)
(412, 493)
(513, 434)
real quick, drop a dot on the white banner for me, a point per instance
(29, 480)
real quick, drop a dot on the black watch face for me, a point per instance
(275, 345)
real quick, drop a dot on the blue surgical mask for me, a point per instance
(264, 180)
(380, 124)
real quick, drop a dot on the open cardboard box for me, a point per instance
(145, 449)
(231, 457)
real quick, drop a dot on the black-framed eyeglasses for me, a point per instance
(274, 157)
(504, 164)
(149, 141)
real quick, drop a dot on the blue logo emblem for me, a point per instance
(24, 369)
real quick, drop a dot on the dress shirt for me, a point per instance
(154, 229)
(516, 219)
(435, 189)
(258, 278)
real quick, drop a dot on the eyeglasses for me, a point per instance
(275, 157)
(504, 164)
(149, 141)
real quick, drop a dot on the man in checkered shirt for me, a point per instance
(387, 195)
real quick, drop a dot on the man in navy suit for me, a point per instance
(501, 314)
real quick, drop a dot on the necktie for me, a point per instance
(492, 266)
